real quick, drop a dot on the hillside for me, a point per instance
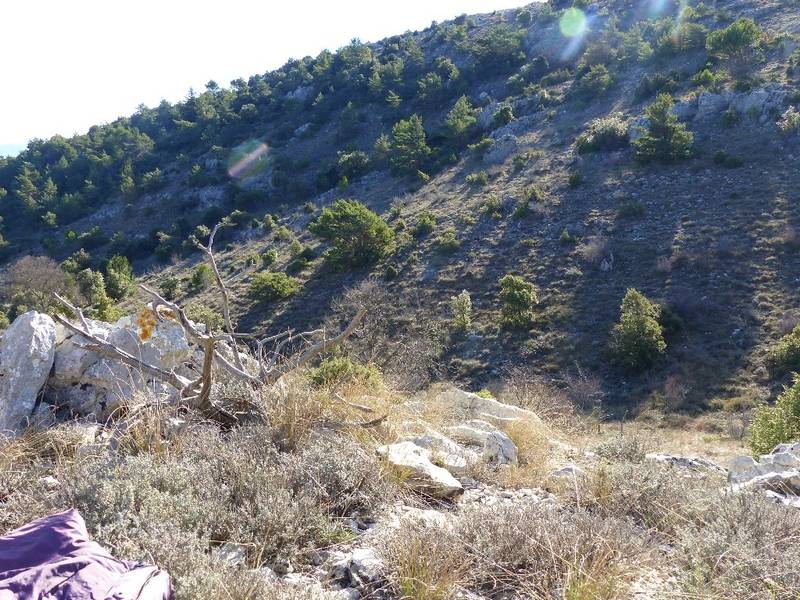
(712, 237)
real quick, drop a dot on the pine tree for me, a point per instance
(665, 139)
(638, 338)
(409, 147)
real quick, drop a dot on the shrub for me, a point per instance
(201, 278)
(478, 179)
(200, 313)
(727, 160)
(119, 277)
(409, 148)
(518, 299)
(737, 45)
(268, 286)
(357, 235)
(170, 288)
(665, 139)
(482, 146)
(575, 179)
(460, 119)
(448, 241)
(790, 121)
(269, 258)
(650, 85)
(503, 116)
(339, 370)
(630, 209)
(426, 223)
(492, 207)
(461, 307)
(730, 117)
(708, 80)
(593, 83)
(638, 338)
(352, 164)
(605, 133)
(785, 355)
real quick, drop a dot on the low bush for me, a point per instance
(778, 423)
(478, 179)
(518, 299)
(341, 370)
(425, 225)
(268, 286)
(593, 83)
(605, 133)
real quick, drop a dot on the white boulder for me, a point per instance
(497, 446)
(421, 474)
(473, 406)
(26, 357)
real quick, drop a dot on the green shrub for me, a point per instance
(665, 139)
(200, 313)
(448, 241)
(730, 117)
(201, 278)
(478, 179)
(426, 223)
(709, 80)
(269, 258)
(461, 118)
(727, 160)
(773, 425)
(119, 277)
(785, 355)
(638, 338)
(593, 83)
(518, 299)
(461, 307)
(339, 370)
(503, 116)
(492, 207)
(790, 121)
(605, 133)
(357, 235)
(737, 45)
(268, 286)
(630, 209)
(575, 179)
(352, 164)
(650, 85)
(170, 288)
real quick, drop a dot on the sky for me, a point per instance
(70, 65)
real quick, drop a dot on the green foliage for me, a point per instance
(269, 258)
(730, 117)
(492, 207)
(665, 139)
(200, 313)
(784, 356)
(503, 116)
(352, 164)
(650, 85)
(729, 161)
(119, 277)
(518, 299)
(268, 286)
(461, 307)
(426, 223)
(170, 288)
(357, 235)
(737, 45)
(478, 179)
(638, 339)
(497, 48)
(201, 278)
(341, 370)
(482, 146)
(605, 133)
(408, 149)
(593, 83)
(461, 118)
(448, 241)
(777, 424)
(708, 80)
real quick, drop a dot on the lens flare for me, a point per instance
(247, 159)
(572, 22)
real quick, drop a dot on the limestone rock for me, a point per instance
(710, 105)
(497, 446)
(504, 146)
(421, 473)
(473, 406)
(26, 356)
(685, 462)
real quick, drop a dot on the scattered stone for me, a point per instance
(686, 462)
(233, 554)
(27, 351)
(497, 446)
(503, 147)
(473, 406)
(568, 471)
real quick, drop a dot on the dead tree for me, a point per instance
(273, 357)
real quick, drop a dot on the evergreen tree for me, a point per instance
(460, 119)
(119, 277)
(638, 338)
(665, 139)
(409, 147)
(518, 298)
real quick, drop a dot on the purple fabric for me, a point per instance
(53, 559)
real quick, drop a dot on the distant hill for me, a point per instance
(525, 163)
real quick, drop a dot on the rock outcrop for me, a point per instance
(27, 351)
(776, 473)
(415, 466)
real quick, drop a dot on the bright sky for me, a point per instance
(70, 65)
